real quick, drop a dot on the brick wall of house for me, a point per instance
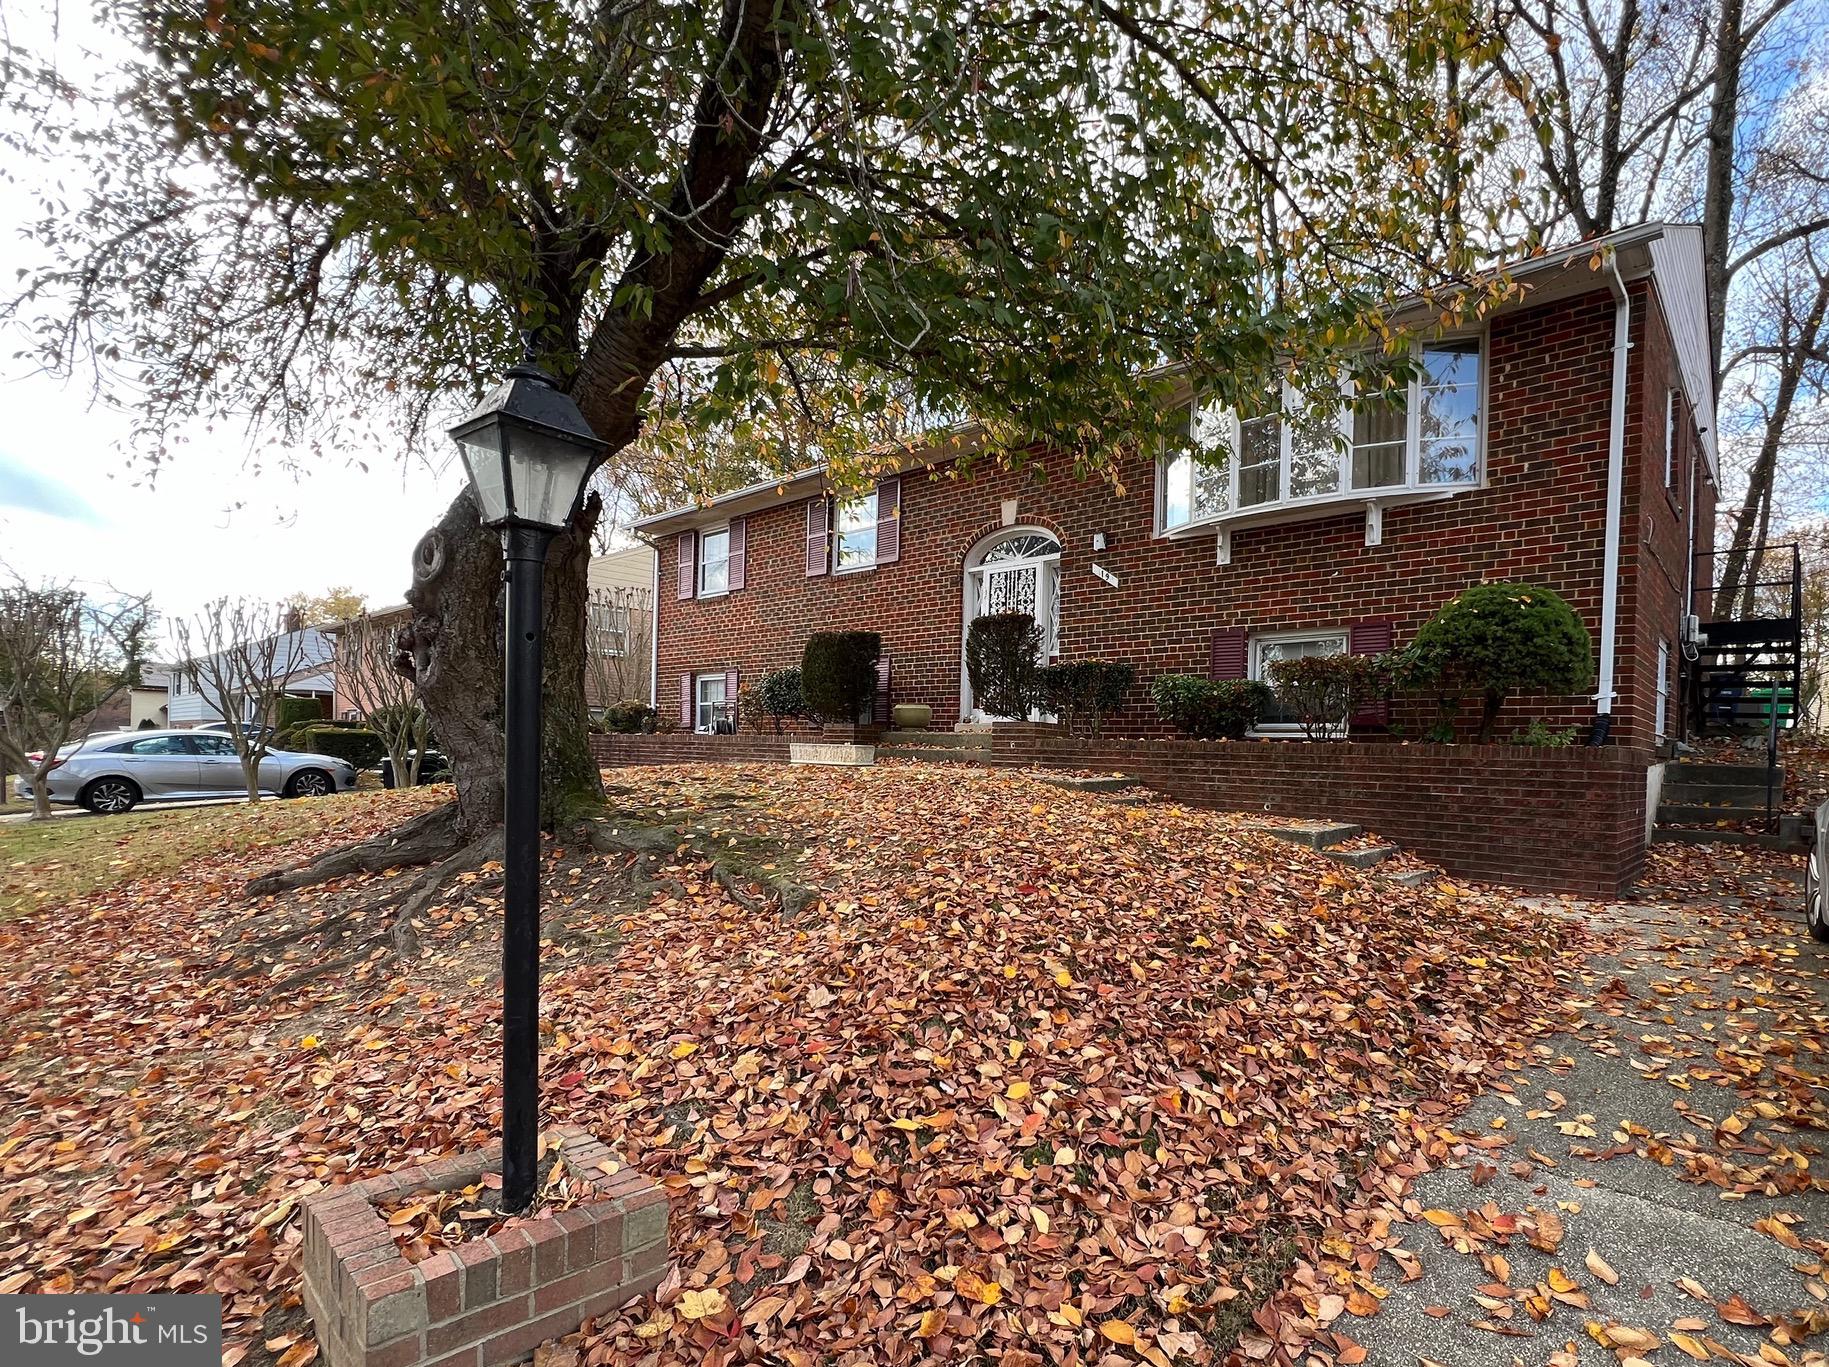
(1657, 510)
(1538, 518)
(1552, 820)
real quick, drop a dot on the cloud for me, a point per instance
(35, 493)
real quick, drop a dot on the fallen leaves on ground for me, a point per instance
(1726, 993)
(1037, 1076)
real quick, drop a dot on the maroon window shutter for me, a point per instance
(689, 563)
(1226, 654)
(1371, 638)
(739, 550)
(819, 538)
(889, 522)
(879, 711)
(686, 701)
(730, 690)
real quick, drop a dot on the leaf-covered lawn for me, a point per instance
(49, 863)
(1035, 1075)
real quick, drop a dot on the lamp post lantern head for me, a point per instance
(528, 451)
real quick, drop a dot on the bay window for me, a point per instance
(1422, 438)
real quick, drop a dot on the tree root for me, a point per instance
(652, 847)
(428, 836)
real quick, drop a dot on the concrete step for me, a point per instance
(1317, 835)
(1705, 814)
(934, 754)
(1689, 835)
(1729, 775)
(945, 740)
(1366, 857)
(1409, 878)
(1102, 783)
(1716, 794)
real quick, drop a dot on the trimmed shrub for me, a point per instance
(838, 674)
(780, 695)
(360, 746)
(1209, 709)
(290, 712)
(1322, 692)
(1002, 654)
(628, 717)
(1085, 692)
(1498, 639)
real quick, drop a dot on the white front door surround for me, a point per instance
(1015, 569)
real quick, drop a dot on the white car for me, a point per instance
(115, 772)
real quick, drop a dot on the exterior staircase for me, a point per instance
(1697, 798)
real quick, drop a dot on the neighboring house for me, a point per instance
(1566, 439)
(146, 700)
(621, 627)
(303, 660)
(346, 705)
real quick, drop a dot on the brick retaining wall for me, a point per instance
(1554, 820)
(489, 1301)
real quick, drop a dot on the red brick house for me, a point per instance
(1567, 440)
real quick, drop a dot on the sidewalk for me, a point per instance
(1678, 1133)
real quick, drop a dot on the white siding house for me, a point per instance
(305, 659)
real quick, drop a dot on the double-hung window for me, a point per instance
(610, 629)
(856, 533)
(710, 703)
(714, 562)
(1671, 409)
(1290, 645)
(1422, 436)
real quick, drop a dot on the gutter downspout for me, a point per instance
(653, 626)
(1616, 482)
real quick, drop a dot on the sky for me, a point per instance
(74, 507)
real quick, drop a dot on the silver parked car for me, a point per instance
(111, 773)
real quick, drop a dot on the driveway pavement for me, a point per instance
(1653, 1188)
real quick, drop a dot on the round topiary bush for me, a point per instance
(1500, 639)
(838, 674)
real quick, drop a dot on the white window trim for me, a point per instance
(1670, 439)
(863, 566)
(1254, 669)
(700, 702)
(1410, 491)
(698, 568)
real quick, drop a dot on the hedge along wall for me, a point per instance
(1549, 820)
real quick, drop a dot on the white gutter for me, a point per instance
(1616, 481)
(654, 630)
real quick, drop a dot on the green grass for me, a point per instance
(47, 863)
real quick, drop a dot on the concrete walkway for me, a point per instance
(1673, 1133)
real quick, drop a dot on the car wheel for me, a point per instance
(110, 796)
(310, 783)
(1816, 915)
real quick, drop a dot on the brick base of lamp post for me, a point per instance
(490, 1301)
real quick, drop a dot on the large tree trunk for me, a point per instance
(453, 647)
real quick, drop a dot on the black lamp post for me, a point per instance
(528, 451)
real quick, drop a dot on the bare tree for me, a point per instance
(63, 654)
(617, 645)
(242, 652)
(367, 653)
